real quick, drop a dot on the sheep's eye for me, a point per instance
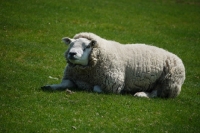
(86, 47)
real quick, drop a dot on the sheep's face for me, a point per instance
(79, 50)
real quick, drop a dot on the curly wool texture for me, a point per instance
(131, 67)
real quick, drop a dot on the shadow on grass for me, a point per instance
(73, 90)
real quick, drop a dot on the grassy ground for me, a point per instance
(31, 51)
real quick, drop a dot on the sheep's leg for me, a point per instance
(62, 86)
(97, 89)
(146, 94)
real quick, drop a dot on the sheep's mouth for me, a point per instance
(73, 61)
(72, 58)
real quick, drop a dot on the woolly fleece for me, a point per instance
(131, 68)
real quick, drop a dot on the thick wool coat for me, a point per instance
(131, 67)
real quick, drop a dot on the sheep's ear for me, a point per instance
(93, 43)
(67, 40)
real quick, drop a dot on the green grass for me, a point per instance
(31, 51)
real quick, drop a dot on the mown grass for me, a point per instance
(31, 51)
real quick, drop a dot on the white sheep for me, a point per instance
(102, 65)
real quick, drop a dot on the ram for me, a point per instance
(102, 65)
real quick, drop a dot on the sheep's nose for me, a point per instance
(72, 53)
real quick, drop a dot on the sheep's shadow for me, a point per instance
(49, 90)
(73, 90)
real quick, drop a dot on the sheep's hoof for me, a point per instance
(142, 94)
(97, 89)
(46, 88)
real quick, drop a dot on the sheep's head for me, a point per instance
(79, 50)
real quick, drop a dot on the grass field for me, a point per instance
(31, 51)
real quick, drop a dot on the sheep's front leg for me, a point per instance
(146, 94)
(62, 86)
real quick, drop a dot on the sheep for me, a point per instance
(101, 65)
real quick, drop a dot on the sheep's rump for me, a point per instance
(131, 67)
(149, 65)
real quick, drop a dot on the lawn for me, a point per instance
(31, 51)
